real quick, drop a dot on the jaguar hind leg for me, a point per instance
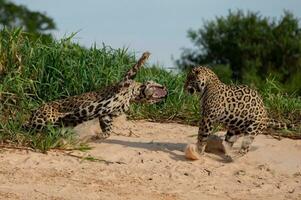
(231, 137)
(249, 136)
(246, 144)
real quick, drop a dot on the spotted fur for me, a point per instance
(104, 104)
(239, 108)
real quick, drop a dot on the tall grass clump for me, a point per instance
(280, 105)
(32, 72)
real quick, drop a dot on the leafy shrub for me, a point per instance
(252, 45)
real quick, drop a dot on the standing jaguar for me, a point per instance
(239, 108)
(104, 104)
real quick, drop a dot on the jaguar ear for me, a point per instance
(195, 70)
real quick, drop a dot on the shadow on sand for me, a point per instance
(175, 150)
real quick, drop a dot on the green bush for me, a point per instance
(252, 46)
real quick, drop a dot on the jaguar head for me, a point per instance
(198, 78)
(150, 92)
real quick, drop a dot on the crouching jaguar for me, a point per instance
(239, 108)
(104, 104)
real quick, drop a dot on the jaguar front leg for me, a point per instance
(193, 151)
(105, 123)
(205, 129)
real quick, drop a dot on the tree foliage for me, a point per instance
(252, 45)
(12, 15)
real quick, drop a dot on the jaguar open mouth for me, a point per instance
(159, 92)
(156, 93)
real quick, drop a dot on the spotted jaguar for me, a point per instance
(104, 104)
(238, 107)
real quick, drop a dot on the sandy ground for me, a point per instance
(147, 162)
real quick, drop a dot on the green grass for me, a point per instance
(177, 107)
(281, 106)
(33, 72)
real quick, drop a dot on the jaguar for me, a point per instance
(104, 104)
(239, 108)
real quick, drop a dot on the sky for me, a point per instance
(158, 26)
